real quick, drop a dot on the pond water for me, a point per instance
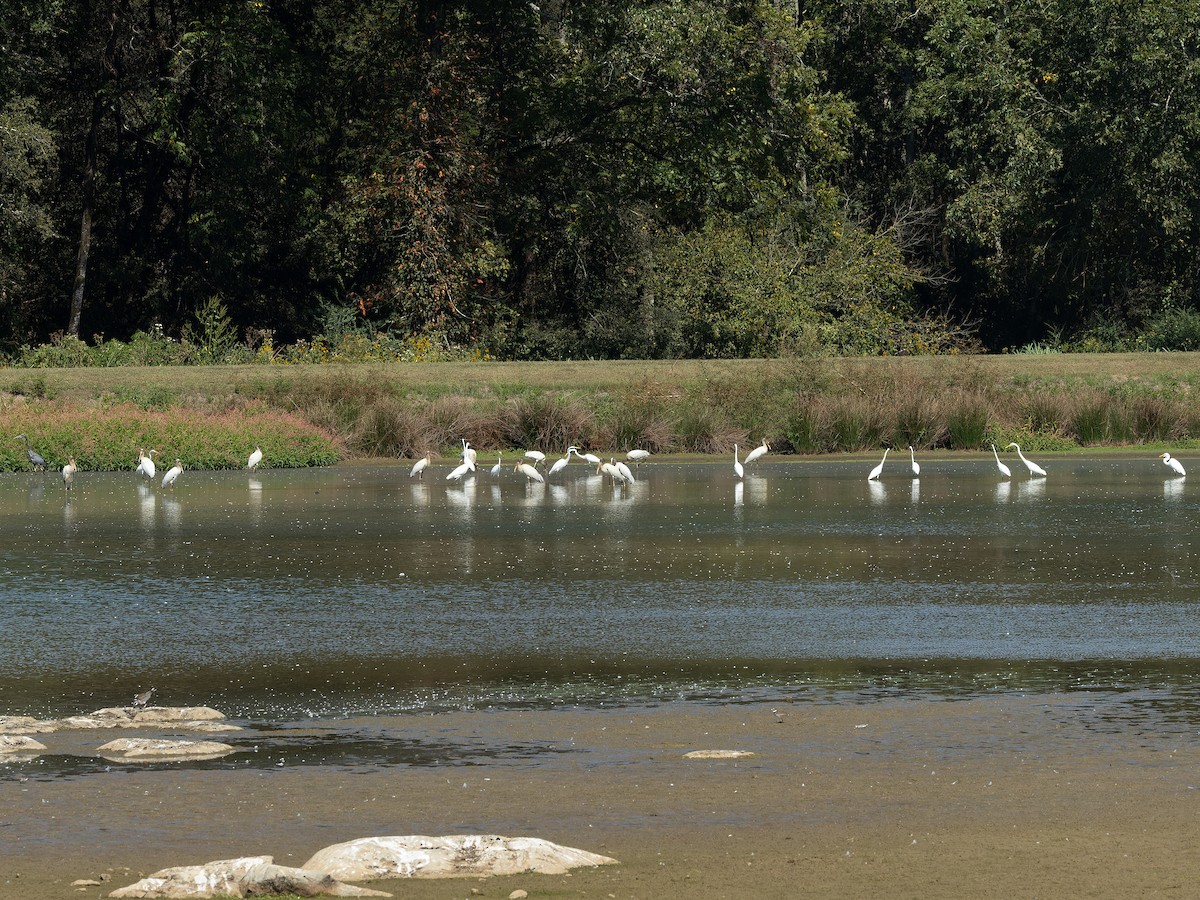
(357, 591)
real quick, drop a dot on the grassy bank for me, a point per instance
(315, 413)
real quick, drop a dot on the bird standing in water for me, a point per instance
(68, 472)
(35, 458)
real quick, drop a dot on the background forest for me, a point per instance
(597, 178)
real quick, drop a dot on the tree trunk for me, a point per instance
(85, 225)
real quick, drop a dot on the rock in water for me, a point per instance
(250, 876)
(144, 749)
(19, 745)
(450, 856)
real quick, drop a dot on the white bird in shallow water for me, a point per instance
(1004, 470)
(468, 454)
(146, 464)
(528, 471)
(255, 459)
(1034, 468)
(610, 469)
(460, 470)
(738, 469)
(560, 464)
(495, 470)
(590, 458)
(537, 456)
(1175, 465)
(637, 457)
(421, 465)
(172, 473)
(916, 466)
(878, 470)
(757, 453)
(626, 472)
(68, 472)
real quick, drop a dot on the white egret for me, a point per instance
(255, 459)
(537, 456)
(878, 470)
(738, 470)
(421, 465)
(1004, 470)
(172, 474)
(460, 470)
(495, 470)
(146, 464)
(637, 457)
(1034, 468)
(560, 464)
(531, 473)
(591, 458)
(468, 454)
(626, 472)
(1175, 465)
(68, 472)
(756, 453)
(916, 466)
(35, 458)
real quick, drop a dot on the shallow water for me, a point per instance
(288, 596)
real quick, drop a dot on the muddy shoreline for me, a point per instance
(1011, 796)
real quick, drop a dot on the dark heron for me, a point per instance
(140, 701)
(35, 458)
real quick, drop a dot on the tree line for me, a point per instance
(626, 178)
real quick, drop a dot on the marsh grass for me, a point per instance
(809, 406)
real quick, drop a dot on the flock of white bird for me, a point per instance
(528, 464)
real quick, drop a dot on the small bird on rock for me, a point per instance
(140, 701)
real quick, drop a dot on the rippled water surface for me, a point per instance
(357, 591)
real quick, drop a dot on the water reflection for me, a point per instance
(1173, 489)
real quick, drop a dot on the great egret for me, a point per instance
(1034, 468)
(146, 464)
(537, 456)
(560, 464)
(916, 466)
(421, 465)
(738, 469)
(1004, 470)
(1176, 465)
(255, 459)
(590, 458)
(68, 472)
(495, 470)
(531, 473)
(756, 453)
(172, 473)
(460, 470)
(468, 454)
(878, 470)
(35, 458)
(140, 700)
(637, 457)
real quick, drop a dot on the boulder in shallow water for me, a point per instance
(450, 856)
(126, 715)
(250, 876)
(718, 754)
(25, 725)
(19, 745)
(149, 750)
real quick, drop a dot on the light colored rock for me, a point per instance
(25, 725)
(86, 882)
(153, 750)
(718, 754)
(19, 745)
(250, 876)
(157, 714)
(450, 856)
(518, 894)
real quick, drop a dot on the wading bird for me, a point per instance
(460, 470)
(637, 457)
(626, 472)
(1175, 465)
(140, 700)
(1034, 468)
(1004, 470)
(916, 466)
(172, 473)
(68, 472)
(878, 470)
(609, 468)
(560, 464)
(146, 464)
(756, 453)
(590, 458)
(35, 458)
(255, 459)
(529, 472)
(421, 465)
(537, 456)
(738, 470)
(495, 470)
(468, 454)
